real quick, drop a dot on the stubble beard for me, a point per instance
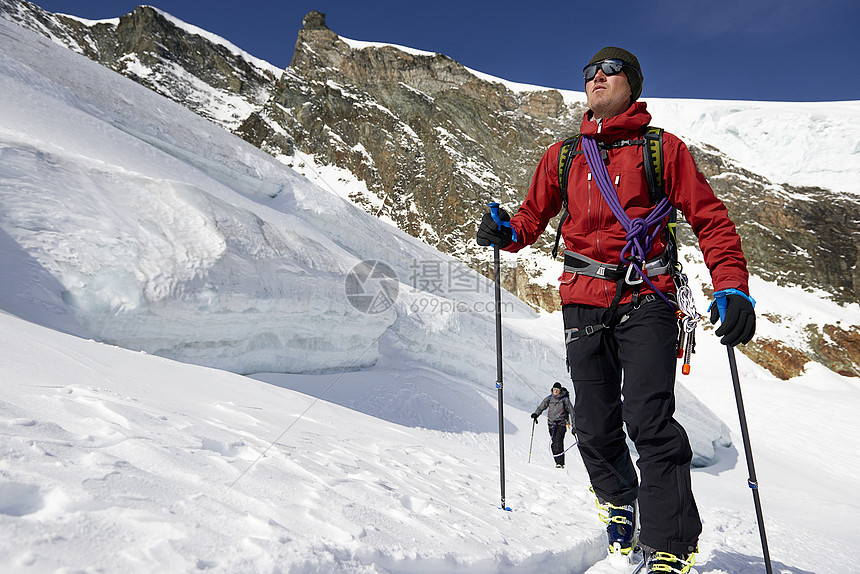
(605, 106)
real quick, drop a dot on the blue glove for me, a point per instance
(736, 312)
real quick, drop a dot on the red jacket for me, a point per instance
(593, 230)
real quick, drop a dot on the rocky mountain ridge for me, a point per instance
(432, 143)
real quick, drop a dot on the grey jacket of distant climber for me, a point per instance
(560, 409)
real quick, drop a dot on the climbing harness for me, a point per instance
(633, 269)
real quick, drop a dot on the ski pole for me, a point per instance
(494, 211)
(531, 442)
(752, 481)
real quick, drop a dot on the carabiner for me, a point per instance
(630, 268)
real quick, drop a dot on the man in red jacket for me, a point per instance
(620, 333)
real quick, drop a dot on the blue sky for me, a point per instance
(778, 50)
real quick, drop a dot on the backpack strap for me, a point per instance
(652, 151)
(565, 159)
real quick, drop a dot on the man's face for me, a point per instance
(556, 391)
(608, 96)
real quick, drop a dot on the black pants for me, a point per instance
(556, 431)
(626, 375)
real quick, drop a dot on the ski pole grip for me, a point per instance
(494, 213)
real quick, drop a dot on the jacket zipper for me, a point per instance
(598, 251)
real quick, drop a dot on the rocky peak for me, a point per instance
(315, 32)
(320, 54)
(314, 20)
(150, 48)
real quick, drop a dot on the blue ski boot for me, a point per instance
(620, 526)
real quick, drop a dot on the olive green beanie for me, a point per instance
(630, 61)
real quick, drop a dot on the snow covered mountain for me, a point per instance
(127, 219)
(424, 143)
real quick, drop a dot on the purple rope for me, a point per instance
(640, 232)
(567, 449)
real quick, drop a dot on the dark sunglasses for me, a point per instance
(610, 67)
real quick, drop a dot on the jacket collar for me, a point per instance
(626, 125)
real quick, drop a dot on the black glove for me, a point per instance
(535, 416)
(739, 324)
(490, 234)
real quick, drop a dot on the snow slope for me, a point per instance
(364, 442)
(813, 144)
